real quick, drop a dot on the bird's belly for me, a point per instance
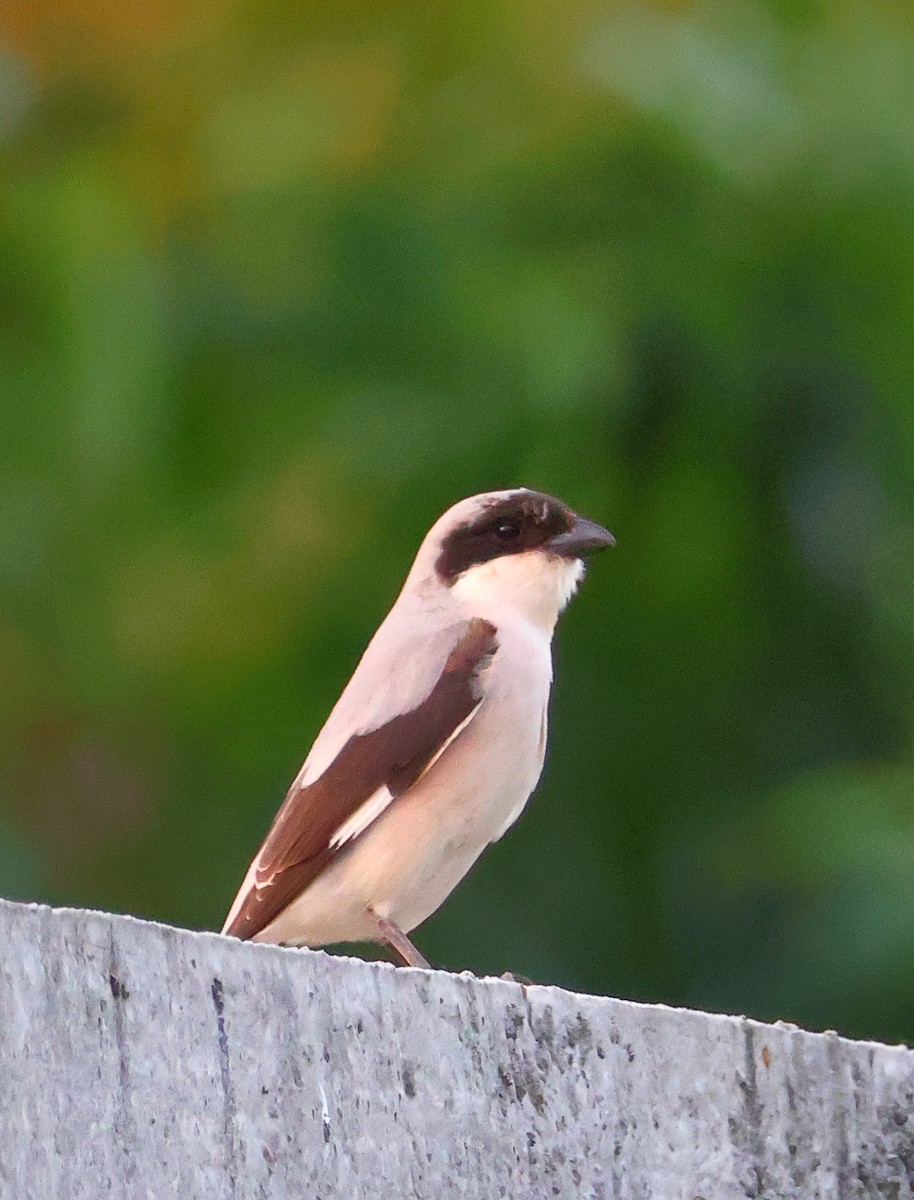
(449, 828)
(416, 852)
(409, 861)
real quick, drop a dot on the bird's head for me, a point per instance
(516, 549)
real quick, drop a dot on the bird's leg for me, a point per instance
(392, 935)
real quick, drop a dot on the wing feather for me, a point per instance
(322, 817)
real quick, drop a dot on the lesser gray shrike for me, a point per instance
(438, 739)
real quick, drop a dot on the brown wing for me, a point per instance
(298, 846)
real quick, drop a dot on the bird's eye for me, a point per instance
(507, 531)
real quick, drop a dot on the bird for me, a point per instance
(437, 741)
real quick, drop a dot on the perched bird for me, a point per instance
(438, 739)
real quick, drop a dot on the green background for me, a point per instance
(280, 282)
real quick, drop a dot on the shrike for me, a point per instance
(438, 739)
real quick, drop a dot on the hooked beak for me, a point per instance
(582, 538)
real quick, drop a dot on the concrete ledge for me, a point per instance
(138, 1060)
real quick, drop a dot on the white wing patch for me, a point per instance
(457, 732)
(363, 816)
(371, 809)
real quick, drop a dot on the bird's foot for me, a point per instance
(393, 936)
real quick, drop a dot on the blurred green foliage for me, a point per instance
(281, 282)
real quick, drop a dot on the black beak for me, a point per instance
(582, 538)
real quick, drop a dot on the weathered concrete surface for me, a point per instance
(142, 1061)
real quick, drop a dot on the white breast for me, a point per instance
(512, 738)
